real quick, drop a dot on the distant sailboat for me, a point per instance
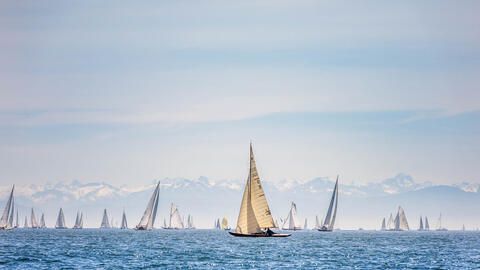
(427, 226)
(255, 218)
(317, 223)
(291, 221)
(105, 224)
(329, 221)
(420, 227)
(33, 220)
(164, 224)
(225, 224)
(124, 221)
(305, 226)
(176, 221)
(60, 220)
(401, 223)
(463, 227)
(439, 224)
(6, 221)
(190, 224)
(384, 227)
(218, 226)
(25, 225)
(17, 224)
(78, 221)
(148, 219)
(112, 224)
(42, 222)
(390, 223)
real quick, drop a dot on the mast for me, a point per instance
(255, 213)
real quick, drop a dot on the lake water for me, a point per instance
(210, 249)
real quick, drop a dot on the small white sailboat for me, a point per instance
(190, 224)
(42, 222)
(33, 220)
(329, 220)
(427, 226)
(105, 224)
(176, 221)
(390, 223)
(255, 218)
(78, 221)
(6, 221)
(420, 227)
(439, 224)
(148, 219)
(124, 221)
(384, 227)
(401, 223)
(291, 221)
(225, 224)
(60, 224)
(317, 224)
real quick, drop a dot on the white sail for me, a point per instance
(80, 223)
(60, 224)
(427, 226)
(25, 225)
(255, 213)
(124, 221)
(329, 221)
(400, 221)
(176, 221)
(305, 226)
(317, 223)
(105, 224)
(390, 223)
(420, 227)
(384, 227)
(190, 224)
(148, 219)
(77, 221)
(7, 212)
(42, 222)
(33, 220)
(291, 221)
(10, 224)
(17, 224)
(225, 224)
(164, 223)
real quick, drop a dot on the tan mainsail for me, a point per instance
(254, 213)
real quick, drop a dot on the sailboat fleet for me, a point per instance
(254, 219)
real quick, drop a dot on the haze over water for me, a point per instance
(215, 249)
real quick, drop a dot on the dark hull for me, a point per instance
(324, 230)
(259, 235)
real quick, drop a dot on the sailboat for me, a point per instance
(225, 224)
(291, 222)
(390, 223)
(254, 218)
(42, 222)
(176, 221)
(218, 226)
(164, 224)
(33, 220)
(25, 225)
(427, 226)
(317, 223)
(6, 221)
(384, 227)
(439, 224)
(60, 220)
(148, 219)
(16, 222)
(124, 221)
(329, 220)
(305, 226)
(420, 227)
(400, 221)
(78, 221)
(190, 224)
(105, 224)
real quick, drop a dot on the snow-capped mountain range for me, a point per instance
(207, 199)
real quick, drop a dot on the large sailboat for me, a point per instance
(60, 220)
(291, 221)
(105, 224)
(401, 223)
(329, 220)
(255, 218)
(148, 219)
(42, 222)
(176, 221)
(33, 220)
(439, 224)
(6, 221)
(124, 221)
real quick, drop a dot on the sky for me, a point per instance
(126, 92)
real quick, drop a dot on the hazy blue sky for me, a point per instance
(125, 92)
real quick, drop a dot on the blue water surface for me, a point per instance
(215, 249)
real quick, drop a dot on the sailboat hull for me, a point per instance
(324, 230)
(259, 234)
